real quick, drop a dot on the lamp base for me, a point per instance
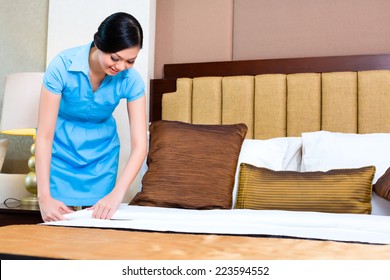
(29, 201)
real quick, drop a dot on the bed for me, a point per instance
(261, 159)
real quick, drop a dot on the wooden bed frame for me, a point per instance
(37, 241)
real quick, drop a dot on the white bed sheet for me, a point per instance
(313, 225)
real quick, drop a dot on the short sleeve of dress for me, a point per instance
(135, 87)
(54, 78)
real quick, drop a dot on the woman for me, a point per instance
(77, 145)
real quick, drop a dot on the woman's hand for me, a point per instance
(53, 210)
(107, 206)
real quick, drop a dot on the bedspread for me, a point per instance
(313, 225)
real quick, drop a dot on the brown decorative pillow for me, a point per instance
(334, 191)
(191, 166)
(382, 186)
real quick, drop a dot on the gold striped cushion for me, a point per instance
(334, 191)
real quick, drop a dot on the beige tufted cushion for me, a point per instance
(178, 105)
(339, 102)
(238, 97)
(278, 105)
(270, 104)
(207, 100)
(374, 101)
(303, 103)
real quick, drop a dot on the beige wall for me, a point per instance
(192, 31)
(23, 36)
(302, 28)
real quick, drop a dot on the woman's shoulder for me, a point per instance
(132, 77)
(70, 51)
(132, 84)
(131, 74)
(68, 55)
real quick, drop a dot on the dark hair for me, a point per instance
(117, 32)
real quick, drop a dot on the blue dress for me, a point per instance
(85, 151)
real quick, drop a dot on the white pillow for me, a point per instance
(262, 153)
(293, 156)
(324, 150)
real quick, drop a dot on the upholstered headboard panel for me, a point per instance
(278, 105)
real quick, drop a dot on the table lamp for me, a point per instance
(20, 117)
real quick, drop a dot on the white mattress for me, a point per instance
(313, 225)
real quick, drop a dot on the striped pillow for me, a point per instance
(191, 166)
(334, 191)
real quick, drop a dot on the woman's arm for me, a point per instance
(51, 209)
(107, 206)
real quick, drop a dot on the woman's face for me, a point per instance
(113, 63)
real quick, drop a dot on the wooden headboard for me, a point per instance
(355, 63)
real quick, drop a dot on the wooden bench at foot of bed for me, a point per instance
(106, 244)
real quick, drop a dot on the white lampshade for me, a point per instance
(21, 102)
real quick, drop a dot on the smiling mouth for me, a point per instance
(113, 70)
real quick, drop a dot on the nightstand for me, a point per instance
(19, 215)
